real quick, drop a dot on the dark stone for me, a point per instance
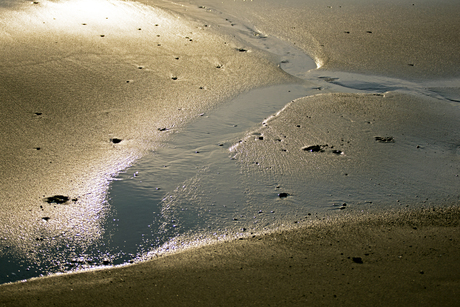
(163, 129)
(106, 262)
(115, 140)
(314, 148)
(242, 50)
(385, 139)
(337, 152)
(57, 199)
(46, 218)
(261, 137)
(174, 78)
(283, 195)
(38, 113)
(357, 260)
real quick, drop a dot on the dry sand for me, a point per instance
(71, 106)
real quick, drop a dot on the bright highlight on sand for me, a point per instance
(133, 129)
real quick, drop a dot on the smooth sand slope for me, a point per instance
(405, 259)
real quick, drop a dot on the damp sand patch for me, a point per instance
(413, 255)
(103, 77)
(389, 149)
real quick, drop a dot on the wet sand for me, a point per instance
(398, 259)
(51, 118)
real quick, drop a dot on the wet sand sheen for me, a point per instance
(75, 79)
(263, 64)
(403, 259)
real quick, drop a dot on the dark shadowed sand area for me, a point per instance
(352, 178)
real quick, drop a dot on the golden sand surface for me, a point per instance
(397, 259)
(75, 75)
(62, 106)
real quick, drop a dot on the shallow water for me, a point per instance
(211, 179)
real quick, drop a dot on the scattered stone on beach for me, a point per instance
(242, 50)
(337, 152)
(37, 148)
(357, 260)
(386, 139)
(314, 148)
(38, 113)
(106, 261)
(174, 78)
(46, 218)
(163, 129)
(329, 79)
(115, 140)
(56, 199)
(283, 195)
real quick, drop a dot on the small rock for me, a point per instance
(115, 140)
(283, 195)
(106, 261)
(163, 129)
(357, 260)
(314, 148)
(57, 199)
(46, 218)
(386, 139)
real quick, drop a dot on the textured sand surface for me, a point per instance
(77, 74)
(75, 78)
(405, 259)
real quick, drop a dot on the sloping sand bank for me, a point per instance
(399, 259)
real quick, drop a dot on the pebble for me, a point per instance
(386, 139)
(57, 199)
(115, 140)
